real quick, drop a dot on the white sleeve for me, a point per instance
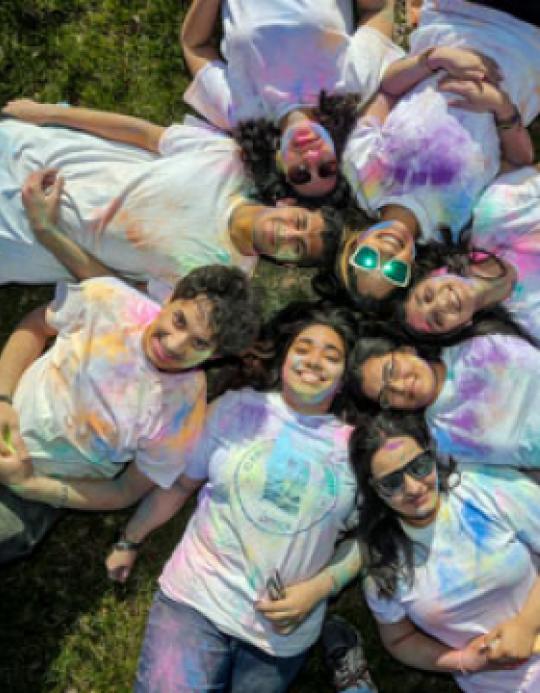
(370, 53)
(210, 95)
(163, 457)
(384, 610)
(71, 303)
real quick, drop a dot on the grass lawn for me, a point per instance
(64, 627)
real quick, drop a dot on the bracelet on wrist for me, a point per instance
(510, 122)
(124, 544)
(7, 399)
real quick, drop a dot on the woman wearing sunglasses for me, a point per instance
(425, 148)
(451, 558)
(463, 284)
(481, 396)
(286, 83)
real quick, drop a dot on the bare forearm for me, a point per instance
(112, 126)
(423, 652)
(84, 494)
(23, 347)
(516, 146)
(402, 75)
(81, 263)
(158, 507)
(196, 34)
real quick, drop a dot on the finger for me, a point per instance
(278, 616)
(268, 606)
(48, 177)
(56, 190)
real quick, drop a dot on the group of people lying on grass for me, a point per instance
(388, 428)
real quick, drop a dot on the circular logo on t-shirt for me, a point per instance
(283, 489)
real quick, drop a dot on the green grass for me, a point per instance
(64, 627)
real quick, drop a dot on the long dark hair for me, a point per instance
(387, 550)
(260, 366)
(259, 140)
(458, 259)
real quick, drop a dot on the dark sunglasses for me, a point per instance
(419, 467)
(299, 175)
(368, 259)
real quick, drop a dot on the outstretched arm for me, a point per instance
(111, 126)
(157, 508)
(41, 196)
(197, 33)
(86, 494)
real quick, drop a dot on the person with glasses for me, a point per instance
(436, 135)
(481, 396)
(450, 558)
(289, 83)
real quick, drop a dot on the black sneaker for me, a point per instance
(344, 655)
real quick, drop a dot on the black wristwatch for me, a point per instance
(123, 544)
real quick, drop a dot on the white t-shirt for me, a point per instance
(93, 401)
(143, 215)
(507, 222)
(488, 410)
(279, 492)
(474, 570)
(280, 55)
(431, 158)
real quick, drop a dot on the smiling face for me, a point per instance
(308, 159)
(399, 380)
(313, 369)
(440, 304)
(392, 241)
(417, 499)
(180, 336)
(288, 234)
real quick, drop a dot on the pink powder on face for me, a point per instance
(392, 444)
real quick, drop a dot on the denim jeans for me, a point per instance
(184, 651)
(23, 524)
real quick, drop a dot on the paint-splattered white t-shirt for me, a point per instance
(435, 159)
(279, 492)
(141, 214)
(93, 401)
(507, 222)
(488, 410)
(474, 568)
(280, 55)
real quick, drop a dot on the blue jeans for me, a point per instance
(23, 524)
(184, 651)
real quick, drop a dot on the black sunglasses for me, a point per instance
(419, 467)
(299, 175)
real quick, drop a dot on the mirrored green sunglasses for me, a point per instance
(367, 259)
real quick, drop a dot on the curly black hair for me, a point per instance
(234, 319)
(259, 140)
(387, 550)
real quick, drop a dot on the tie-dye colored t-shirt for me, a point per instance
(94, 402)
(507, 222)
(474, 568)
(279, 492)
(435, 159)
(488, 410)
(280, 55)
(141, 214)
